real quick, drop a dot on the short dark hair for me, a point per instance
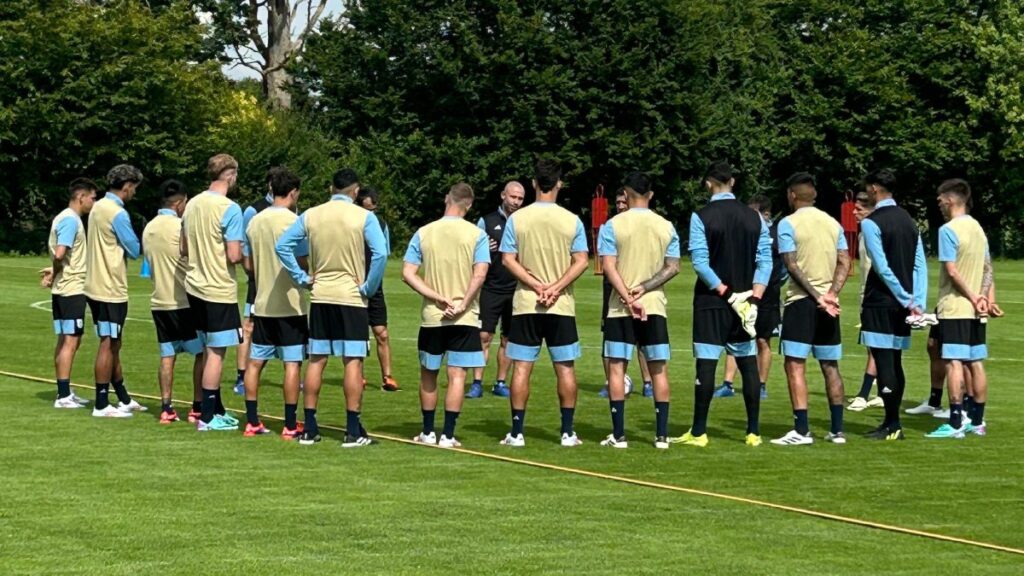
(171, 188)
(79, 185)
(720, 172)
(367, 192)
(123, 174)
(283, 181)
(956, 187)
(637, 182)
(882, 177)
(547, 173)
(620, 191)
(344, 178)
(800, 179)
(760, 202)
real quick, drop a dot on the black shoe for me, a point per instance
(309, 438)
(356, 441)
(885, 433)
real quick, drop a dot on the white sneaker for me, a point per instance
(422, 438)
(793, 438)
(838, 438)
(942, 414)
(516, 441)
(611, 440)
(661, 443)
(922, 408)
(571, 440)
(111, 412)
(876, 402)
(66, 402)
(132, 406)
(79, 399)
(857, 404)
(446, 442)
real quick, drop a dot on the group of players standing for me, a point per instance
(517, 265)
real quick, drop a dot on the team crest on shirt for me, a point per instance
(497, 227)
(79, 322)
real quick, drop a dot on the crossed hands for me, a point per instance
(829, 303)
(46, 277)
(632, 303)
(450, 309)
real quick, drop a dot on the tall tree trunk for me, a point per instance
(279, 47)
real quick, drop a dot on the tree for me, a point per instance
(80, 95)
(477, 89)
(260, 35)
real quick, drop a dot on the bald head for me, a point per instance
(512, 197)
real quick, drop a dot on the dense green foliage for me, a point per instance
(476, 89)
(418, 95)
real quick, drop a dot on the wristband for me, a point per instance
(755, 300)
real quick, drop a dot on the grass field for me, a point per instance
(83, 496)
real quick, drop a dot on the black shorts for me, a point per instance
(962, 339)
(719, 329)
(377, 309)
(176, 332)
(337, 330)
(284, 338)
(68, 314)
(623, 333)
(767, 322)
(495, 306)
(218, 324)
(807, 329)
(108, 317)
(528, 331)
(885, 328)
(460, 343)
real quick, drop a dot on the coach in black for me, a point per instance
(730, 248)
(496, 294)
(896, 287)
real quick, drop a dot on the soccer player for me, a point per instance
(109, 240)
(639, 253)
(648, 390)
(896, 287)
(545, 248)
(964, 283)
(497, 293)
(731, 250)
(814, 250)
(175, 327)
(376, 306)
(242, 353)
(454, 257)
(280, 329)
(337, 232)
(861, 209)
(66, 280)
(212, 239)
(768, 313)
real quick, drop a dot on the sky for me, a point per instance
(239, 72)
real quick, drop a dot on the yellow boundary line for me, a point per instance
(632, 481)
